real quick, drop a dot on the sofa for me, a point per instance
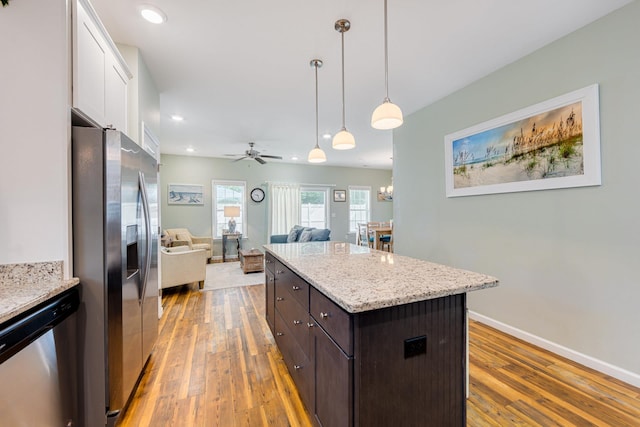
(182, 237)
(302, 234)
(181, 265)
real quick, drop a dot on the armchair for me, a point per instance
(180, 266)
(182, 237)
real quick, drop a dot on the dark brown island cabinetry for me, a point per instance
(403, 365)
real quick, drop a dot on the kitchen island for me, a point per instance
(369, 337)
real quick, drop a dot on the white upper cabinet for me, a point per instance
(100, 74)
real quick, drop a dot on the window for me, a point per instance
(228, 193)
(314, 207)
(359, 206)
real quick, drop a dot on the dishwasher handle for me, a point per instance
(17, 333)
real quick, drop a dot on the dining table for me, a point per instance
(379, 231)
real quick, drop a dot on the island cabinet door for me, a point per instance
(270, 299)
(333, 385)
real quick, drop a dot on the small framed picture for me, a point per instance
(339, 195)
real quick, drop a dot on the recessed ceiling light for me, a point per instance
(191, 149)
(326, 136)
(177, 118)
(152, 14)
(294, 158)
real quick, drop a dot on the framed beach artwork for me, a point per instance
(339, 195)
(553, 144)
(185, 194)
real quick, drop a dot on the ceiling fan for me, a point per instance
(254, 154)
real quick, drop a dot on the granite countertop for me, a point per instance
(23, 286)
(360, 279)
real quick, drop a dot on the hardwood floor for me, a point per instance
(216, 364)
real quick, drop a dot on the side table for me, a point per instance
(230, 236)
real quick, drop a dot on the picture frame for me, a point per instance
(185, 194)
(552, 144)
(339, 195)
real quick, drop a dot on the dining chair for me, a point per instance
(386, 240)
(361, 237)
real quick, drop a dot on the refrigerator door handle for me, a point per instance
(147, 227)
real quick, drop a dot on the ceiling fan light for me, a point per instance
(317, 156)
(343, 140)
(387, 116)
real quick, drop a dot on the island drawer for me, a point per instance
(296, 360)
(297, 287)
(294, 316)
(333, 319)
(270, 262)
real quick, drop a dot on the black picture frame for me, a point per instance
(339, 195)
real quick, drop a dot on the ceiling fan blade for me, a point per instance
(271, 157)
(237, 160)
(232, 155)
(259, 160)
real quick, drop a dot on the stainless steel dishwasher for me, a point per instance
(38, 380)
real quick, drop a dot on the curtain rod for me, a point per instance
(301, 184)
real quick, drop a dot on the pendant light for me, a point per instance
(316, 155)
(343, 140)
(388, 115)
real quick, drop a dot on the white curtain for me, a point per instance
(284, 200)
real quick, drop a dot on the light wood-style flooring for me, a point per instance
(216, 364)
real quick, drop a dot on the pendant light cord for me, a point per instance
(316, 67)
(343, 109)
(386, 56)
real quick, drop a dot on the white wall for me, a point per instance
(34, 132)
(568, 258)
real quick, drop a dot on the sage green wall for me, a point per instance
(202, 170)
(567, 259)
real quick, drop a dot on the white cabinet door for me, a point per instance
(89, 68)
(115, 96)
(100, 75)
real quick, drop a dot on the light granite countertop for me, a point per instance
(23, 286)
(361, 279)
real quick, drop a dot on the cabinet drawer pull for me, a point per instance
(296, 288)
(296, 367)
(279, 271)
(297, 322)
(310, 325)
(279, 299)
(324, 315)
(279, 334)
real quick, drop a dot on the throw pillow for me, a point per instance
(293, 235)
(320, 235)
(186, 237)
(305, 236)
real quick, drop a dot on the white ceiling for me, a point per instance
(238, 70)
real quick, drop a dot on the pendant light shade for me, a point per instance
(316, 155)
(343, 140)
(388, 115)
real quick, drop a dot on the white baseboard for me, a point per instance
(591, 362)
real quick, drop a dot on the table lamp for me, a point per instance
(232, 212)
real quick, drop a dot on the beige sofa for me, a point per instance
(181, 265)
(182, 237)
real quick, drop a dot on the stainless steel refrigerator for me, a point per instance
(115, 231)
